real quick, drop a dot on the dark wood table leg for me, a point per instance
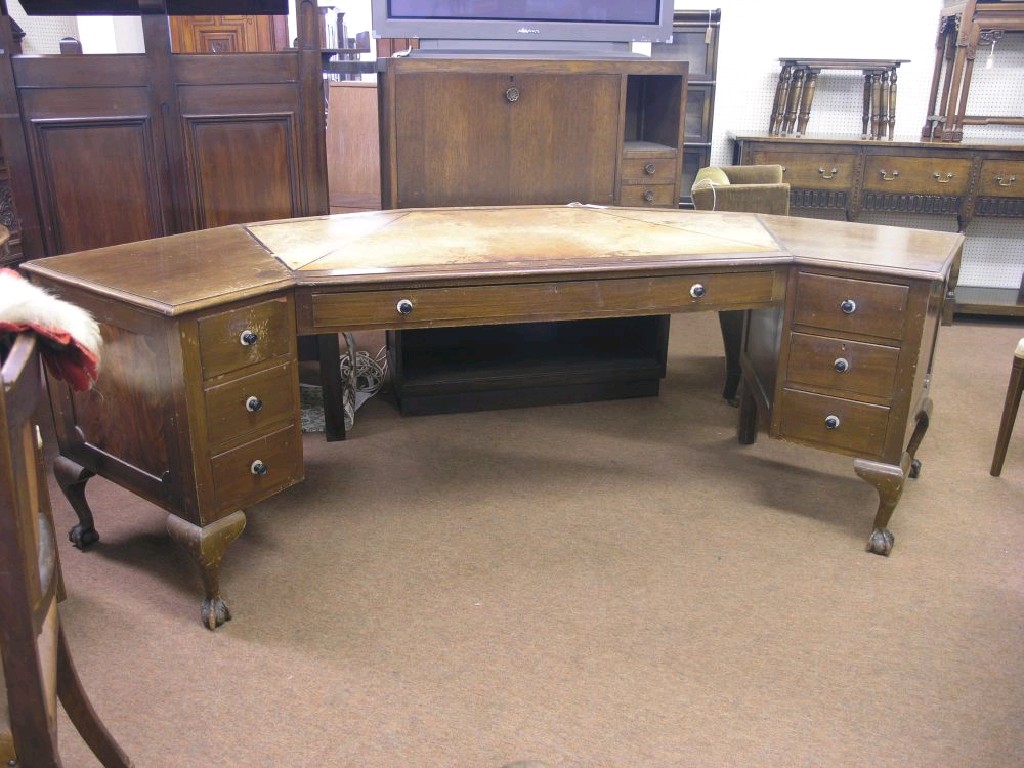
(746, 426)
(731, 322)
(206, 545)
(71, 478)
(329, 354)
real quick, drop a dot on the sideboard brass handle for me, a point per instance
(887, 177)
(1002, 181)
(943, 179)
(826, 174)
(248, 338)
(650, 168)
(512, 95)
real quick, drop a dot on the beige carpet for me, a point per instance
(604, 584)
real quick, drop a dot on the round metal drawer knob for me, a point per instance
(697, 290)
(404, 306)
(253, 404)
(842, 365)
(248, 338)
(649, 196)
(832, 422)
(650, 168)
(512, 95)
(258, 468)
(849, 306)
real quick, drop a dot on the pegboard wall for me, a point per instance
(754, 35)
(42, 33)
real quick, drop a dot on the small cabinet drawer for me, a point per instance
(245, 408)
(851, 306)
(841, 366)
(258, 469)
(648, 195)
(1001, 178)
(649, 169)
(835, 423)
(811, 170)
(241, 337)
(944, 177)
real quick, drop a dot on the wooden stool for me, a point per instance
(1013, 393)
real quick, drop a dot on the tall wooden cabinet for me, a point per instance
(503, 130)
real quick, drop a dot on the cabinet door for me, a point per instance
(494, 139)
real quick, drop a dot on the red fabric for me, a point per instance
(64, 357)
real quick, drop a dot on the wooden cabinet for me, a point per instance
(353, 146)
(498, 130)
(839, 178)
(695, 35)
(228, 33)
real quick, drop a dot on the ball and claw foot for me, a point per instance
(915, 468)
(83, 536)
(214, 613)
(881, 541)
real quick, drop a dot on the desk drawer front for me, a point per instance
(834, 423)
(252, 472)
(843, 367)
(225, 344)
(942, 177)
(812, 170)
(543, 301)
(851, 306)
(250, 406)
(1001, 178)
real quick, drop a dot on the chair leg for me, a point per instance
(1013, 393)
(731, 322)
(76, 703)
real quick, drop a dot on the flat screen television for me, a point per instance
(533, 21)
(134, 8)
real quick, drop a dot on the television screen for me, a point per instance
(170, 7)
(535, 20)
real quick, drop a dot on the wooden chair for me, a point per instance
(37, 667)
(751, 189)
(1013, 393)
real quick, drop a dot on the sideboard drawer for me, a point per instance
(843, 367)
(649, 169)
(811, 170)
(648, 195)
(544, 301)
(244, 336)
(245, 408)
(940, 176)
(846, 305)
(834, 423)
(1001, 178)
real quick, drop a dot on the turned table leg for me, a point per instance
(206, 545)
(71, 478)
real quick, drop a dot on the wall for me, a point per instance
(754, 34)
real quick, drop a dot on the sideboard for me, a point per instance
(843, 178)
(197, 406)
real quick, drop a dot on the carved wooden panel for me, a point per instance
(228, 33)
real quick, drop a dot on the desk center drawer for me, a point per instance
(421, 307)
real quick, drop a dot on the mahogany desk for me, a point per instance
(197, 406)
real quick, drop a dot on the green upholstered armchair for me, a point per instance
(749, 188)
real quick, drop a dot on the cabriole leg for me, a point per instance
(207, 545)
(888, 480)
(71, 478)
